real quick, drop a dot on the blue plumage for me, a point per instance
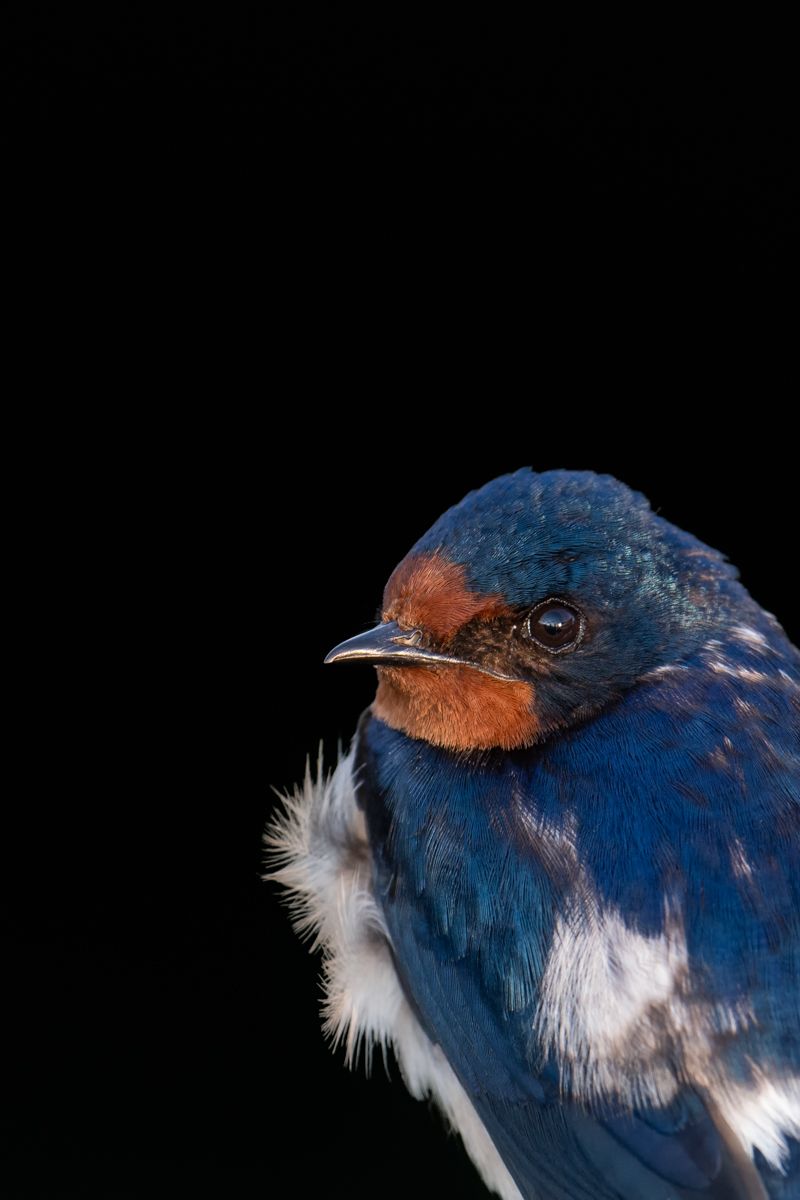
(594, 910)
(467, 893)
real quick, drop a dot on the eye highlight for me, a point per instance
(555, 625)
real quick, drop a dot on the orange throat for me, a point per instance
(457, 707)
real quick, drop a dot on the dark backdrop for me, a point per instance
(338, 277)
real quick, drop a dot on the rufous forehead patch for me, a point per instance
(427, 591)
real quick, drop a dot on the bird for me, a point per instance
(557, 872)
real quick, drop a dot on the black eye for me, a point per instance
(555, 625)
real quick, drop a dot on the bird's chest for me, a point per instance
(462, 866)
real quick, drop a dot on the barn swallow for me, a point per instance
(558, 871)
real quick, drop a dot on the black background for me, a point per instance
(327, 280)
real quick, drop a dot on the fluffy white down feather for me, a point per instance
(319, 850)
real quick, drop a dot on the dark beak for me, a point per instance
(388, 643)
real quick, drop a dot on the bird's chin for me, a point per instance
(457, 707)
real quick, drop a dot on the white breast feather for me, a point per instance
(764, 1114)
(610, 994)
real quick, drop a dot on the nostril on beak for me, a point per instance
(412, 638)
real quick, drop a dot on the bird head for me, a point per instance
(533, 604)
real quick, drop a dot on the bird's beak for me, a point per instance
(388, 643)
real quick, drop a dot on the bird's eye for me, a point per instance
(555, 625)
